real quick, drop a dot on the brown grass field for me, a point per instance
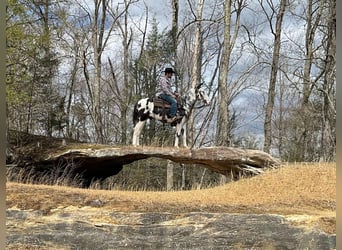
(303, 192)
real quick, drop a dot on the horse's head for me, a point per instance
(201, 94)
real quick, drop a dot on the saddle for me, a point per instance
(161, 106)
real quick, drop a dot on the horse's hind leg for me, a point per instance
(136, 132)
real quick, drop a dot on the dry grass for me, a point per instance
(294, 189)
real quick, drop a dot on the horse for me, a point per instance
(151, 108)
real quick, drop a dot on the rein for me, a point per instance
(199, 107)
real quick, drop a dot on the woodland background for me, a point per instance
(74, 69)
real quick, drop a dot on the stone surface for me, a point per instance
(91, 228)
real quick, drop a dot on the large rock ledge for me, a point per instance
(87, 228)
(223, 160)
(97, 161)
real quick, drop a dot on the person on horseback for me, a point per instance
(165, 92)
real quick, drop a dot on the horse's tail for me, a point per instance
(135, 114)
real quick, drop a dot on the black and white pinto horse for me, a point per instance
(145, 109)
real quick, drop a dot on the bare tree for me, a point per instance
(301, 124)
(98, 23)
(223, 131)
(124, 95)
(197, 62)
(222, 137)
(306, 109)
(328, 144)
(274, 69)
(99, 17)
(174, 37)
(73, 41)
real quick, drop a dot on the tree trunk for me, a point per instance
(273, 78)
(174, 31)
(222, 135)
(70, 92)
(174, 35)
(329, 111)
(307, 83)
(183, 176)
(97, 43)
(196, 67)
(124, 106)
(169, 175)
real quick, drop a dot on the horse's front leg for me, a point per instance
(181, 131)
(177, 135)
(184, 136)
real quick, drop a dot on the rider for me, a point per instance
(165, 92)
